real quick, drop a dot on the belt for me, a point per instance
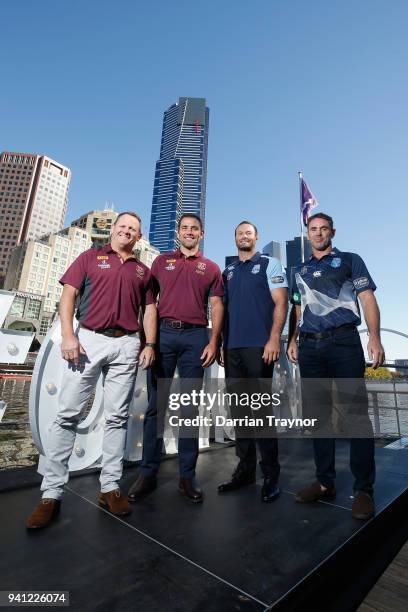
(111, 332)
(328, 333)
(173, 324)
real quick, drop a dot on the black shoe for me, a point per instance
(190, 490)
(142, 486)
(239, 479)
(270, 491)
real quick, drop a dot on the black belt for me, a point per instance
(173, 324)
(327, 334)
(111, 332)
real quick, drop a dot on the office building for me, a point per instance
(37, 265)
(181, 171)
(294, 256)
(33, 200)
(98, 224)
(273, 249)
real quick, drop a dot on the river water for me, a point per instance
(17, 448)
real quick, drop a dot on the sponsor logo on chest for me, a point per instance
(170, 265)
(336, 262)
(103, 262)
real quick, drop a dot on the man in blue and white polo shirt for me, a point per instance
(325, 316)
(256, 304)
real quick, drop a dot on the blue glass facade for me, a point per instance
(181, 172)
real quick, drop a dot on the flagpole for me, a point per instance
(302, 240)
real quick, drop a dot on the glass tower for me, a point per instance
(181, 171)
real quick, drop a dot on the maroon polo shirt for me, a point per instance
(184, 285)
(110, 292)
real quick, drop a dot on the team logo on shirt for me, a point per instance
(201, 265)
(317, 273)
(256, 269)
(139, 271)
(230, 275)
(303, 270)
(336, 262)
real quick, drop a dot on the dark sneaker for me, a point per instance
(43, 514)
(314, 493)
(363, 506)
(142, 486)
(238, 479)
(270, 491)
(115, 502)
(190, 490)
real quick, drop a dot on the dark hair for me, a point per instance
(248, 223)
(193, 216)
(321, 216)
(132, 214)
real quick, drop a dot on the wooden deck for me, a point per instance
(390, 594)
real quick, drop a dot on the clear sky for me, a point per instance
(315, 86)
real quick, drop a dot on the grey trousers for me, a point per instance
(116, 359)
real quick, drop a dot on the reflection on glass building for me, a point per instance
(181, 171)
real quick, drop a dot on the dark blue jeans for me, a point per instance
(181, 348)
(339, 356)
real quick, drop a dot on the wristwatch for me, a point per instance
(151, 344)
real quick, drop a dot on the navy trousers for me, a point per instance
(181, 349)
(339, 356)
(247, 367)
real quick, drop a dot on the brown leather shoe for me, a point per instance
(363, 506)
(314, 493)
(188, 488)
(142, 486)
(44, 513)
(115, 502)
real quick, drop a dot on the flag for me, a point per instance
(308, 202)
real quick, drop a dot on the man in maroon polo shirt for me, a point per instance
(185, 281)
(110, 286)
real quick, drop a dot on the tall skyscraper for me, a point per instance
(33, 200)
(294, 256)
(181, 171)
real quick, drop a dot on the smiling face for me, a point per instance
(190, 233)
(246, 237)
(320, 234)
(125, 233)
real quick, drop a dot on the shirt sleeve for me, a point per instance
(76, 273)
(360, 275)
(154, 281)
(295, 293)
(275, 274)
(149, 293)
(217, 286)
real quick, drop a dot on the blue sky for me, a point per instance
(292, 85)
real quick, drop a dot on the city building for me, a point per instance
(145, 252)
(181, 171)
(273, 249)
(97, 224)
(294, 256)
(37, 265)
(27, 313)
(33, 200)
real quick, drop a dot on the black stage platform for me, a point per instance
(230, 553)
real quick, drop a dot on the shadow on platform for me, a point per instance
(230, 553)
